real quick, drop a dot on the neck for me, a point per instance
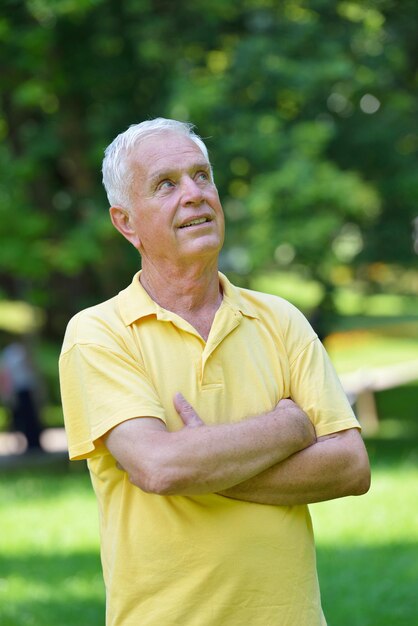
(192, 292)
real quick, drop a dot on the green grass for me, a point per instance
(49, 552)
(380, 346)
(367, 547)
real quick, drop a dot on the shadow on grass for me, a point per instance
(361, 586)
(396, 443)
(39, 590)
(369, 585)
(392, 453)
(399, 404)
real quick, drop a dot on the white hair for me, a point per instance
(116, 168)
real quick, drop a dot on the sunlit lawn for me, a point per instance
(367, 547)
(378, 347)
(49, 560)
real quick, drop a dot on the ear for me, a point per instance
(122, 221)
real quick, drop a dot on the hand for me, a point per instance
(287, 407)
(186, 411)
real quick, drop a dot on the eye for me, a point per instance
(202, 177)
(165, 185)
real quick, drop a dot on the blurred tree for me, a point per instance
(309, 109)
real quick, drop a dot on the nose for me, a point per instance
(191, 192)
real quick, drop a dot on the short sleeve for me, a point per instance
(100, 388)
(315, 386)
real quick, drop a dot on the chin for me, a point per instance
(203, 248)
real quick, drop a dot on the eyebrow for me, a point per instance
(173, 172)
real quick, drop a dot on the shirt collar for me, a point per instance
(234, 298)
(135, 303)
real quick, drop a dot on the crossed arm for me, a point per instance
(335, 466)
(272, 458)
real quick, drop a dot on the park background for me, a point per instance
(309, 112)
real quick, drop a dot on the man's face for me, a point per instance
(175, 212)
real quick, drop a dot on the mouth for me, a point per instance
(196, 222)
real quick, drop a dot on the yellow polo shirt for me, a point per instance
(197, 560)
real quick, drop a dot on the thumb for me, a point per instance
(186, 411)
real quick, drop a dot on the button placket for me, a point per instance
(224, 324)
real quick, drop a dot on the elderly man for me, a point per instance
(210, 415)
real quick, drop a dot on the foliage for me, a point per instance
(308, 110)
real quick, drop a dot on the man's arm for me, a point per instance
(335, 466)
(202, 459)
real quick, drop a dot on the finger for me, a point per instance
(186, 411)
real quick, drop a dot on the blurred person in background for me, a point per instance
(210, 416)
(19, 391)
